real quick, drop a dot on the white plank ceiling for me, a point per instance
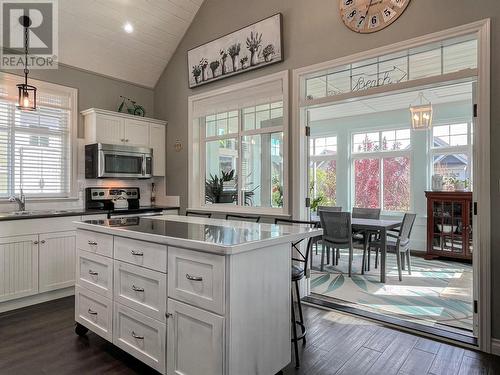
(91, 36)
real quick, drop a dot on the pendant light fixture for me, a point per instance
(26, 93)
(421, 114)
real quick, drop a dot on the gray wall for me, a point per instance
(95, 90)
(313, 32)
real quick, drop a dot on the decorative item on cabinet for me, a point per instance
(131, 107)
(449, 224)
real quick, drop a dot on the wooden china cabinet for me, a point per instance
(449, 224)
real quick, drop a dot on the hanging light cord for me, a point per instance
(26, 70)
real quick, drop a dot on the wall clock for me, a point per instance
(368, 16)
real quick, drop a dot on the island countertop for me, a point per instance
(224, 237)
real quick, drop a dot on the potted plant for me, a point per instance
(268, 53)
(234, 52)
(214, 188)
(197, 73)
(223, 57)
(203, 65)
(213, 67)
(254, 43)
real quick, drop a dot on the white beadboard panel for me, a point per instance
(57, 260)
(18, 267)
(91, 36)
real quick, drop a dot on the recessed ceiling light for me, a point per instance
(128, 27)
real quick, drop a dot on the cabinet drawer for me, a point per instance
(94, 312)
(196, 278)
(99, 243)
(141, 253)
(95, 272)
(141, 289)
(139, 335)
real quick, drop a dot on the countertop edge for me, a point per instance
(200, 245)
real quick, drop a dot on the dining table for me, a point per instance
(382, 226)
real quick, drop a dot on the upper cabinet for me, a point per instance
(116, 128)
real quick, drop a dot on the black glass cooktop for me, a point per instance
(215, 234)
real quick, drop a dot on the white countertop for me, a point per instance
(224, 237)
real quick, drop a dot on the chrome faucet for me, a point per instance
(21, 201)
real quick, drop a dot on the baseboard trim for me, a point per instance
(495, 346)
(36, 299)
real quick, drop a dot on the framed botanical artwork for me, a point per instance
(249, 48)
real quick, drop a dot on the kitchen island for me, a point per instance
(189, 295)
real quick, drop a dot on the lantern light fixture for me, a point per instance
(421, 114)
(26, 93)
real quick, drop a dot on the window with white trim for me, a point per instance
(323, 170)
(450, 154)
(35, 147)
(242, 147)
(381, 162)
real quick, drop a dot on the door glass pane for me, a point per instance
(396, 184)
(123, 164)
(221, 171)
(323, 183)
(262, 170)
(367, 183)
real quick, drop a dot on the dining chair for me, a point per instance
(400, 243)
(337, 234)
(298, 273)
(364, 237)
(330, 208)
(199, 214)
(254, 219)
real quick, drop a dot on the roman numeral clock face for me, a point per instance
(368, 16)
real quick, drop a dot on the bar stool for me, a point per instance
(254, 219)
(298, 274)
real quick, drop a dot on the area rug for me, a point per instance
(438, 292)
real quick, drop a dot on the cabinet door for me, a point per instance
(195, 340)
(157, 143)
(57, 260)
(19, 265)
(136, 133)
(109, 129)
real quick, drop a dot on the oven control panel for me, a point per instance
(98, 194)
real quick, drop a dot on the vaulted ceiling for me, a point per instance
(92, 36)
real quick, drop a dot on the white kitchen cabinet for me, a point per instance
(116, 128)
(56, 260)
(108, 129)
(136, 132)
(19, 267)
(195, 340)
(157, 143)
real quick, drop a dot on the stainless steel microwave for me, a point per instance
(116, 161)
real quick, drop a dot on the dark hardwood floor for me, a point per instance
(41, 340)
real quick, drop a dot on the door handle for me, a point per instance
(92, 312)
(137, 253)
(137, 289)
(135, 336)
(93, 273)
(193, 278)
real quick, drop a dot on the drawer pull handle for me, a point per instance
(136, 289)
(93, 273)
(92, 243)
(136, 336)
(91, 312)
(137, 253)
(193, 278)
